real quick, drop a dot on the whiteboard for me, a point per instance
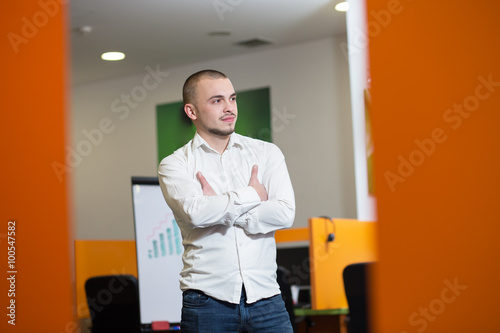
(159, 253)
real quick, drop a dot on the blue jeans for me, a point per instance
(204, 314)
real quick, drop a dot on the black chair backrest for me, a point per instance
(356, 291)
(113, 302)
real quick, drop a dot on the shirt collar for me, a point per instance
(234, 140)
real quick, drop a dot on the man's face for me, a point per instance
(215, 108)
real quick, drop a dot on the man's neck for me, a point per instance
(219, 143)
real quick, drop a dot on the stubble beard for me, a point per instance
(219, 132)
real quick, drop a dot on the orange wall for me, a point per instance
(437, 142)
(101, 257)
(354, 242)
(32, 121)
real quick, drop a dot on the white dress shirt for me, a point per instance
(228, 238)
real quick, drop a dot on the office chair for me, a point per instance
(356, 291)
(286, 294)
(113, 302)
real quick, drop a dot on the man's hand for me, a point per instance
(205, 186)
(254, 182)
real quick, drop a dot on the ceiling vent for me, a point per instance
(254, 42)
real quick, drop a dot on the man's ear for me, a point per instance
(190, 111)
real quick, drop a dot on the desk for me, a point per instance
(328, 312)
(328, 320)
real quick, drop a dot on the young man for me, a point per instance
(229, 193)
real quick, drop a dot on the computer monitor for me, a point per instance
(294, 258)
(159, 254)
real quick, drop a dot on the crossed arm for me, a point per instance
(261, 207)
(254, 182)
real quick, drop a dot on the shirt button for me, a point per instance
(240, 244)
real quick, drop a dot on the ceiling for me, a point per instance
(176, 32)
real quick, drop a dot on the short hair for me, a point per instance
(189, 88)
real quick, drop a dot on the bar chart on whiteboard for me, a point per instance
(159, 253)
(165, 239)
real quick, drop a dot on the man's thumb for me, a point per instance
(255, 171)
(201, 179)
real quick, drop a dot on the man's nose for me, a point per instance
(229, 107)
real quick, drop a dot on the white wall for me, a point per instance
(357, 29)
(309, 84)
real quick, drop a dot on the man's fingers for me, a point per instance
(254, 182)
(253, 176)
(205, 186)
(203, 181)
(201, 178)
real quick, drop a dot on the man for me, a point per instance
(229, 193)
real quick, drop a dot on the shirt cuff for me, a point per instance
(248, 199)
(247, 220)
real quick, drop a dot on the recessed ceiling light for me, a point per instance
(112, 56)
(342, 6)
(84, 30)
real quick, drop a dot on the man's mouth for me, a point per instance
(228, 118)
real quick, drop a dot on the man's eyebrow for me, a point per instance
(222, 96)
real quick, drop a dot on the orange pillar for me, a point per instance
(436, 125)
(36, 292)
